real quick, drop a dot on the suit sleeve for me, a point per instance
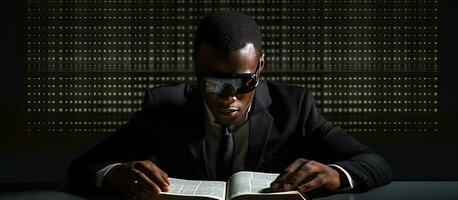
(130, 142)
(367, 168)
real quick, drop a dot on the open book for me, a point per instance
(242, 185)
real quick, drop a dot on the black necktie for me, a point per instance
(225, 155)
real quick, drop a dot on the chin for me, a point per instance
(224, 119)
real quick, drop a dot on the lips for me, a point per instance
(227, 115)
(229, 110)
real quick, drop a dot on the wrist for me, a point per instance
(342, 178)
(337, 179)
(346, 181)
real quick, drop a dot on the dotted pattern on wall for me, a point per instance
(372, 65)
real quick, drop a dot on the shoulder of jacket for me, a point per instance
(287, 89)
(173, 94)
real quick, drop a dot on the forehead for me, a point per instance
(210, 60)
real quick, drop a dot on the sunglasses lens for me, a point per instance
(247, 85)
(211, 85)
(240, 85)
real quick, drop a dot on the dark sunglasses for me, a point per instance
(240, 83)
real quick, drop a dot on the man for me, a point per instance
(230, 122)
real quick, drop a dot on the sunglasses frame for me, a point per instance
(253, 76)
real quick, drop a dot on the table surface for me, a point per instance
(437, 190)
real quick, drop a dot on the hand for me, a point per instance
(306, 175)
(137, 179)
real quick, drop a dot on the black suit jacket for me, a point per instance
(284, 125)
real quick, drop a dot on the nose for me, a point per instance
(227, 91)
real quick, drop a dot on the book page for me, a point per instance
(189, 189)
(255, 184)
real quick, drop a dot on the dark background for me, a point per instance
(43, 159)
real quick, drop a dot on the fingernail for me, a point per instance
(287, 186)
(302, 188)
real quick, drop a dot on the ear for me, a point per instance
(262, 60)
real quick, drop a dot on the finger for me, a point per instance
(155, 175)
(305, 173)
(317, 182)
(164, 182)
(145, 183)
(152, 169)
(164, 175)
(278, 183)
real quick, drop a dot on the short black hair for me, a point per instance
(228, 31)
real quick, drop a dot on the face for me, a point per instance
(228, 107)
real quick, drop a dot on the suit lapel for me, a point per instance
(195, 132)
(260, 127)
